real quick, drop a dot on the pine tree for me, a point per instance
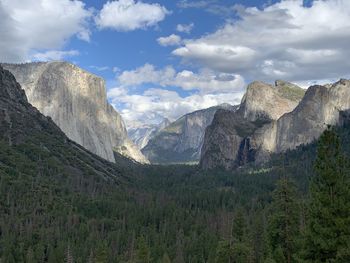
(284, 222)
(259, 238)
(223, 252)
(328, 227)
(241, 251)
(102, 253)
(239, 226)
(143, 251)
(166, 258)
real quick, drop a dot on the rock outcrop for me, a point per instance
(248, 134)
(142, 134)
(181, 141)
(35, 138)
(320, 107)
(76, 101)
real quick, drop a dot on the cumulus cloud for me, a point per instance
(128, 15)
(205, 88)
(284, 40)
(172, 40)
(23, 31)
(205, 82)
(185, 28)
(155, 104)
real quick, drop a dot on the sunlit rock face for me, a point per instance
(182, 140)
(249, 134)
(320, 107)
(76, 101)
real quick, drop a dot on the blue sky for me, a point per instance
(128, 50)
(166, 58)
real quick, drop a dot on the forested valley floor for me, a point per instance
(294, 209)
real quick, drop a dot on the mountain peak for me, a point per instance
(263, 100)
(76, 101)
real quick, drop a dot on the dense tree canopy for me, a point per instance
(177, 213)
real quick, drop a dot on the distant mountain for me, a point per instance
(273, 119)
(181, 141)
(76, 101)
(141, 135)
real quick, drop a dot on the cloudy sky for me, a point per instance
(166, 58)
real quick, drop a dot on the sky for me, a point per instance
(162, 59)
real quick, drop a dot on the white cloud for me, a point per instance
(183, 28)
(212, 6)
(285, 39)
(202, 90)
(128, 15)
(54, 55)
(100, 68)
(195, 4)
(172, 40)
(205, 82)
(36, 25)
(155, 104)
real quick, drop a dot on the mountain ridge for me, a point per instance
(76, 101)
(320, 107)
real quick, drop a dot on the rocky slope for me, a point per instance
(248, 135)
(76, 101)
(141, 135)
(31, 136)
(181, 141)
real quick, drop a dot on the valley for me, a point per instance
(63, 203)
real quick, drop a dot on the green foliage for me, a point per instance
(284, 221)
(239, 226)
(59, 205)
(328, 231)
(223, 252)
(292, 92)
(143, 251)
(101, 253)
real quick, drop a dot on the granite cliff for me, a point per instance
(181, 141)
(76, 101)
(30, 137)
(142, 134)
(248, 134)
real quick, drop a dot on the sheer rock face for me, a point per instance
(321, 106)
(76, 101)
(181, 141)
(24, 128)
(142, 135)
(249, 134)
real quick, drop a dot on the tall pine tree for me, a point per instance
(328, 228)
(284, 222)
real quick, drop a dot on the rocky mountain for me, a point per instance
(181, 141)
(34, 144)
(76, 101)
(142, 134)
(320, 107)
(249, 134)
